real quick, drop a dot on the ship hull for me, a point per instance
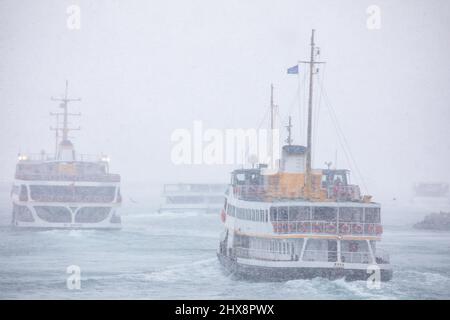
(262, 273)
(184, 209)
(65, 226)
(99, 217)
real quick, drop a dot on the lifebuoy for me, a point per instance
(371, 229)
(344, 228)
(379, 229)
(357, 228)
(223, 216)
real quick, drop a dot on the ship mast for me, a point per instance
(311, 63)
(65, 114)
(272, 108)
(289, 130)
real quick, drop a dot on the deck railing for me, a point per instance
(259, 192)
(51, 157)
(382, 256)
(110, 177)
(194, 188)
(327, 227)
(263, 254)
(308, 255)
(356, 257)
(319, 255)
(69, 198)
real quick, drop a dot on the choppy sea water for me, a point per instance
(172, 256)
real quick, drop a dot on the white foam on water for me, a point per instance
(179, 249)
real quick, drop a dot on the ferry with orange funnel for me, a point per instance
(299, 222)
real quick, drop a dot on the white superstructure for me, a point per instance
(65, 190)
(198, 197)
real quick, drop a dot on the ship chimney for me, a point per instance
(293, 159)
(66, 151)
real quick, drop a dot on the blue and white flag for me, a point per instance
(293, 70)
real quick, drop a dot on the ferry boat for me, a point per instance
(299, 222)
(198, 197)
(431, 194)
(67, 189)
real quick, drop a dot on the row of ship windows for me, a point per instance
(61, 214)
(345, 214)
(297, 213)
(248, 214)
(66, 193)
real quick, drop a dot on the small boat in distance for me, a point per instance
(300, 222)
(65, 190)
(431, 189)
(435, 221)
(431, 194)
(199, 197)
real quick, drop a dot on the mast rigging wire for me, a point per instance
(342, 138)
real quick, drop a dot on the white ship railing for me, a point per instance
(331, 256)
(108, 177)
(263, 254)
(319, 255)
(260, 192)
(192, 188)
(308, 255)
(51, 157)
(327, 227)
(356, 257)
(382, 256)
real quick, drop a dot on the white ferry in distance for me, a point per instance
(67, 189)
(198, 197)
(300, 222)
(431, 194)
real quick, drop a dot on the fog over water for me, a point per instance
(146, 68)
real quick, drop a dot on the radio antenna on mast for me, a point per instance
(312, 71)
(289, 130)
(65, 115)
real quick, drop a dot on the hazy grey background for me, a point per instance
(145, 68)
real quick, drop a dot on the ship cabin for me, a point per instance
(42, 179)
(327, 185)
(335, 209)
(84, 168)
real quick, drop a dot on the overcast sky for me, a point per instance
(146, 68)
